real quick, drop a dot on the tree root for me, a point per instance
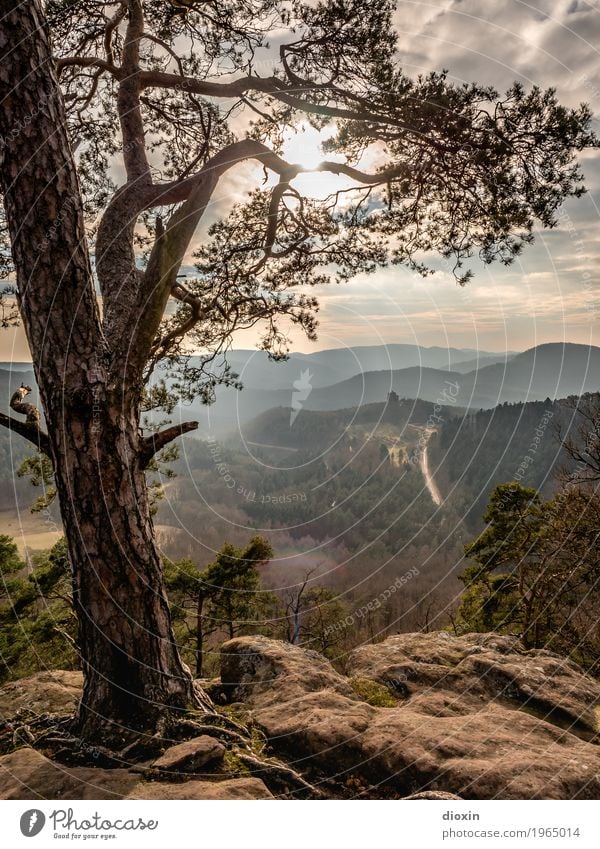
(225, 735)
(226, 722)
(204, 701)
(27, 728)
(279, 778)
(56, 736)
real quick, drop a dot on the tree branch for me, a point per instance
(179, 190)
(180, 293)
(151, 445)
(88, 62)
(263, 85)
(156, 40)
(111, 26)
(194, 193)
(28, 430)
(128, 99)
(164, 263)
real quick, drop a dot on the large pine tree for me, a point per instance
(128, 114)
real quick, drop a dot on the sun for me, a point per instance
(303, 145)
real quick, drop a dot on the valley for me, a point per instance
(355, 495)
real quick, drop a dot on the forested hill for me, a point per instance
(312, 430)
(472, 454)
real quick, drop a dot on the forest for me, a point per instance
(525, 566)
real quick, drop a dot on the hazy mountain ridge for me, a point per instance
(553, 370)
(334, 365)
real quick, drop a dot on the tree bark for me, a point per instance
(133, 675)
(199, 636)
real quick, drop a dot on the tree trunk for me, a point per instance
(296, 631)
(133, 674)
(199, 636)
(528, 620)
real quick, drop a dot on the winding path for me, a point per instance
(435, 493)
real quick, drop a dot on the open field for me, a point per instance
(30, 531)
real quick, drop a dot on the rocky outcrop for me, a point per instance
(55, 691)
(475, 716)
(419, 716)
(440, 674)
(27, 774)
(191, 756)
(235, 788)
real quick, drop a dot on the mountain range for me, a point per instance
(347, 378)
(553, 370)
(332, 366)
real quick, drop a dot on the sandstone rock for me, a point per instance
(435, 794)
(26, 774)
(56, 691)
(465, 722)
(191, 756)
(443, 675)
(234, 788)
(476, 717)
(253, 667)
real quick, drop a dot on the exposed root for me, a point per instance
(222, 734)
(279, 778)
(225, 722)
(203, 700)
(56, 736)
(27, 728)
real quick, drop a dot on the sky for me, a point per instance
(551, 292)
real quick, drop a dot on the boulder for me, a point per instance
(26, 774)
(56, 691)
(476, 716)
(264, 669)
(191, 756)
(234, 788)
